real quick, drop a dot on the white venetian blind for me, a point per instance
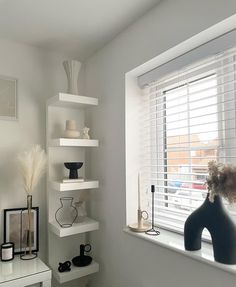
(188, 120)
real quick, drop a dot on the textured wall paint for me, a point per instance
(125, 260)
(40, 75)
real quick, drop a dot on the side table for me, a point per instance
(20, 273)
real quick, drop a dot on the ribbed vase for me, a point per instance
(72, 68)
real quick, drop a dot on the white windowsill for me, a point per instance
(175, 242)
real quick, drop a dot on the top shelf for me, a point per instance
(72, 101)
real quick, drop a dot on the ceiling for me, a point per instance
(77, 28)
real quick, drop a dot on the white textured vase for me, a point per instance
(72, 68)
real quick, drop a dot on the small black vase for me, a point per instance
(216, 220)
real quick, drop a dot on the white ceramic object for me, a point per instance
(85, 133)
(71, 131)
(70, 125)
(72, 68)
(81, 211)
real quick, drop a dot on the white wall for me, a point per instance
(40, 75)
(125, 260)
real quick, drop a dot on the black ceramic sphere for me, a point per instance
(73, 167)
(216, 220)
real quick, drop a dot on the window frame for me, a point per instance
(132, 103)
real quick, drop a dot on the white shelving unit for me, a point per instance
(72, 101)
(87, 184)
(60, 108)
(87, 225)
(73, 142)
(76, 272)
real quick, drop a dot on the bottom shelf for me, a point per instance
(76, 272)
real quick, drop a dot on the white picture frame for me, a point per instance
(8, 98)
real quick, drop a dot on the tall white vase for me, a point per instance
(72, 68)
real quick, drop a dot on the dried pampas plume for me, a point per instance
(221, 181)
(32, 165)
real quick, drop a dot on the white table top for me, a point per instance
(17, 269)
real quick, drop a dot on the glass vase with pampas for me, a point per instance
(32, 166)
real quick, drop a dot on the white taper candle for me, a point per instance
(139, 190)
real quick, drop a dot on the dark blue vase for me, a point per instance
(216, 220)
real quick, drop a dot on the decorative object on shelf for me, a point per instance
(8, 98)
(71, 132)
(64, 267)
(81, 211)
(32, 165)
(85, 133)
(67, 213)
(73, 167)
(83, 260)
(72, 68)
(140, 226)
(16, 229)
(153, 231)
(213, 216)
(7, 251)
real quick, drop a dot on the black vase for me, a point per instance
(216, 220)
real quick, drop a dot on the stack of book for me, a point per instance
(73, 180)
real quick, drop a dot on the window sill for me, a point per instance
(175, 242)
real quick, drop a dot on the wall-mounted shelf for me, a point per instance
(76, 272)
(71, 101)
(73, 142)
(88, 184)
(87, 225)
(61, 107)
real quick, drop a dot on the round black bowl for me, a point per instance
(81, 261)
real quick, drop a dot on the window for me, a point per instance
(189, 120)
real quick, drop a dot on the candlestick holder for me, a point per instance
(140, 226)
(152, 231)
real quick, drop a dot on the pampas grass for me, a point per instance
(221, 181)
(32, 165)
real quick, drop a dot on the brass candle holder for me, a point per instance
(140, 226)
(142, 215)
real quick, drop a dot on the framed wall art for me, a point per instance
(8, 98)
(16, 229)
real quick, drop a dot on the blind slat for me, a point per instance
(185, 118)
(160, 111)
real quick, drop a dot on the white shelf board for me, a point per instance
(76, 272)
(87, 225)
(60, 186)
(73, 142)
(71, 101)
